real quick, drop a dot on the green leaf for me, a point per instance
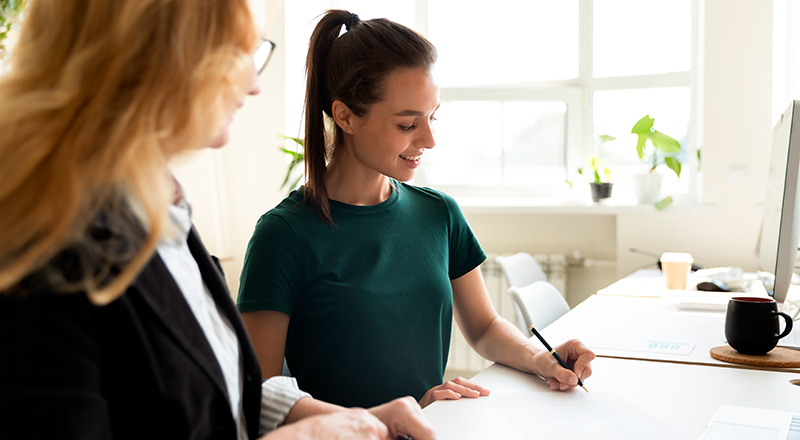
(298, 141)
(295, 155)
(640, 145)
(665, 142)
(643, 126)
(673, 164)
(289, 173)
(297, 158)
(699, 160)
(663, 203)
(606, 138)
(596, 164)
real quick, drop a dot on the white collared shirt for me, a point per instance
(279, 394)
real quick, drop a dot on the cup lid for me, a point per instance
(676, 257)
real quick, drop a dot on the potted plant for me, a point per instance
(654, 148)
(600, 184)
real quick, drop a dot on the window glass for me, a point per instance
(468, 147)
(493, 143)
(534, 135)
(400, 11)
(635, 37)
(507, 41)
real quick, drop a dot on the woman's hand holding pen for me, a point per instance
(575, 354)
(453, 390)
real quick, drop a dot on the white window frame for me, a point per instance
(578, 95)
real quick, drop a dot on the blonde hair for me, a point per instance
(99, 96)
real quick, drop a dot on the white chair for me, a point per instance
(521, 269)
(538, 304)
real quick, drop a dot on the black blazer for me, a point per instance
(139, 367)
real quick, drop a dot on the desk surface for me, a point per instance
(679, 396)
(675, 390)
(621, 327)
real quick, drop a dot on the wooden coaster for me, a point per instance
(777, 357)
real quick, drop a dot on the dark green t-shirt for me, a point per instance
(369, 297)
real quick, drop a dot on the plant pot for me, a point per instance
(647, 187)
(601, 191)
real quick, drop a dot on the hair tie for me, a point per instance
(352, 20)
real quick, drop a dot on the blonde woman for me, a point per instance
(114, 320)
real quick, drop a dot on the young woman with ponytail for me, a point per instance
(355, 278)
(115, 322)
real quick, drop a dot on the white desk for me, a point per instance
(616, 326)
(680, 396)
(677, 392)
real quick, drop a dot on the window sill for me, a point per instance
(547, 205)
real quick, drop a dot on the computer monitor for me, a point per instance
(780, 229)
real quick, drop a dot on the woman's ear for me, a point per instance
(343, 116)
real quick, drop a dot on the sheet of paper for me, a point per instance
(732, 422)
(648, 345)
(468, 418)
(578, 415)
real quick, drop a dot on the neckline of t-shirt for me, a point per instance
(370, 209)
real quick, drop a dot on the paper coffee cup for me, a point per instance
(676, 267)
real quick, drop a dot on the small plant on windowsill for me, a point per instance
(294, 173)
(600, 178)
(600, 184)
(654, 148)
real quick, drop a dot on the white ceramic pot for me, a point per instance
(647, 187)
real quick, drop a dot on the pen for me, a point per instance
(555, 355)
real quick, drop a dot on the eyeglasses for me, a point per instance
(262, 55)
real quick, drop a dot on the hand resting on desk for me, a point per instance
(453, 390)
(575, 354)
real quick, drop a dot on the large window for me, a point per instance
(527, 88)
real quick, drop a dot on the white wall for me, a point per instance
(736, 133)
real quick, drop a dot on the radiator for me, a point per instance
(462, 360)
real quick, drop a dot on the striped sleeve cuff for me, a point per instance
(278, 396)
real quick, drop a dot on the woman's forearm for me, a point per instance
(307, 407)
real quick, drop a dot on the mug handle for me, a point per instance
(789, 324)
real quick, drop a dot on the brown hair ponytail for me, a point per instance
(350, 68)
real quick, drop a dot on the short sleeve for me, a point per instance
(272, 274)
(465, 251)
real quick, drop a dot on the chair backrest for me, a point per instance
(538, 304)
(521, 269)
